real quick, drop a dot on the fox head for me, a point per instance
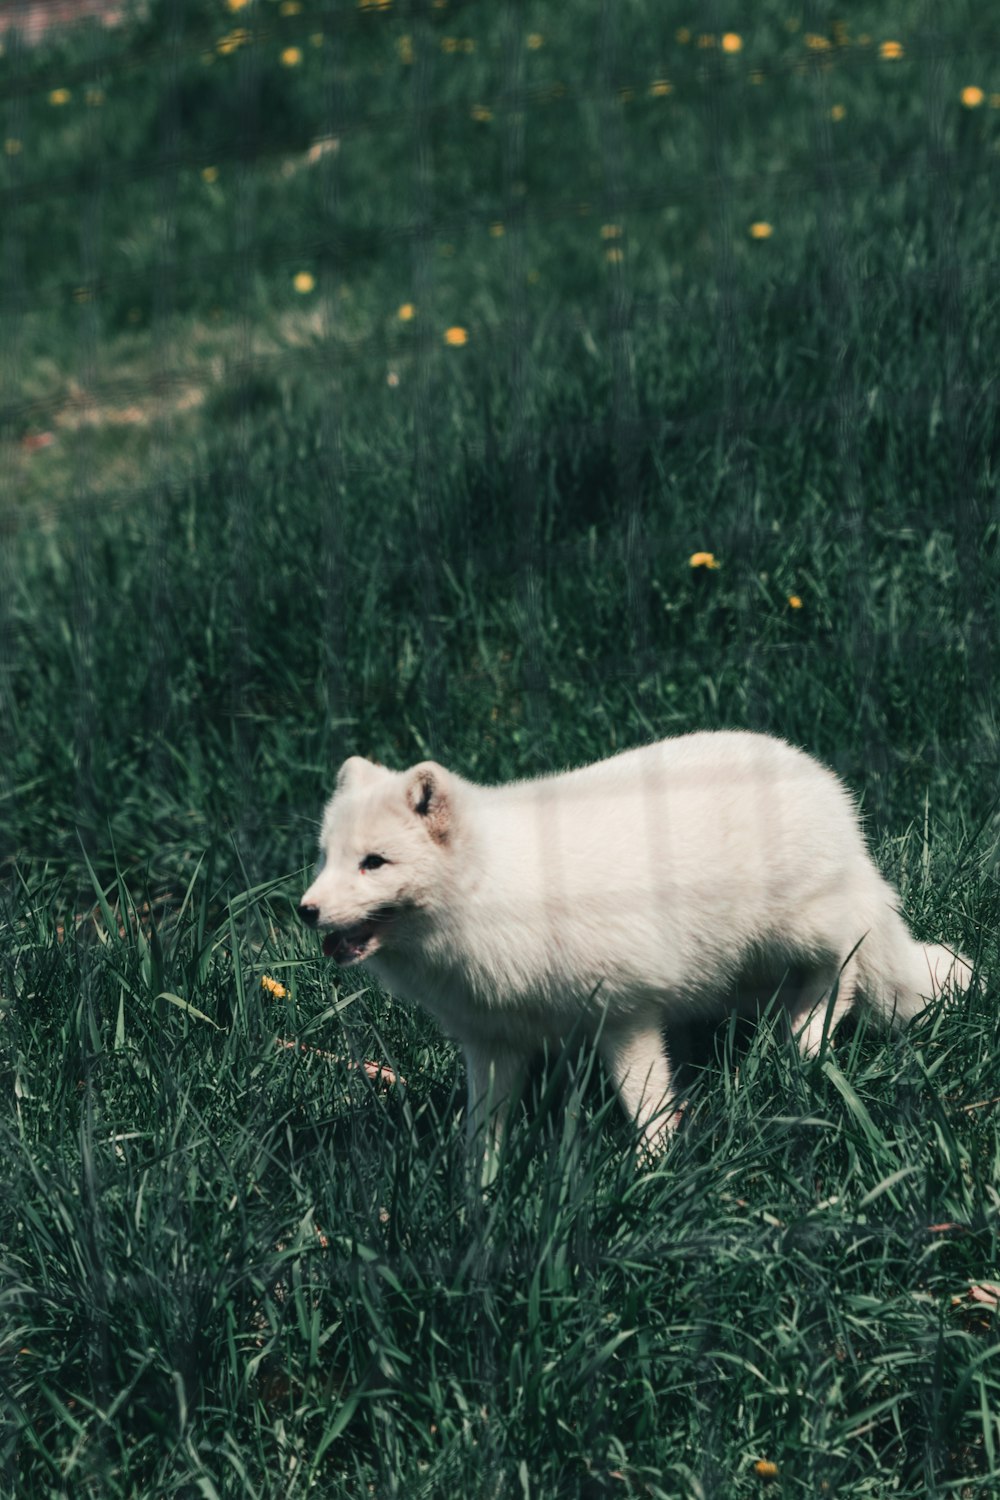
(384, 837)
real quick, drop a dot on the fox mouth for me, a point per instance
(349, 945)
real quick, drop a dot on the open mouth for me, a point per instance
(349, 945)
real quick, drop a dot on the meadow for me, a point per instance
(507, 385)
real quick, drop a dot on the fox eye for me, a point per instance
(372, 862)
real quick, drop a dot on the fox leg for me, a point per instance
(817, 1013)
(491, 1074)
(637, 1060)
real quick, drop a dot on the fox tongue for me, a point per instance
(346, 946)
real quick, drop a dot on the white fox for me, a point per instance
(686, 878)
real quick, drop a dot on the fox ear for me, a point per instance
(356, 771)
(427, 796)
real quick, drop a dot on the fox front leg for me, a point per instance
(491, 1074)
(637, 1060)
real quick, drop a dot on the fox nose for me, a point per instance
(309, 914)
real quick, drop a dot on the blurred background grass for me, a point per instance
(370, 376)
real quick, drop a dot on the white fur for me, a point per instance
(682, 879)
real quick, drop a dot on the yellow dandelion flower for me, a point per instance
(683, 35)
(209, 174)
(816, 43)
(660, 87)
(289, 8)
(481, 113)
(449, 44)
(232, 40)
(291, 57)
(456, 337)
(702, 560)
(237, 4)
(890, 51)
(273, 987)
(614, 255)
(304, 281)
(794, 602)
(611, 231)
(837, 112)
(761, 230)
(535, 40)
(406, 312)
(732, 42)
(60, 96)
(765, 1469)
(12, 146)
(497, 230)
(972, 97)
(404, 46)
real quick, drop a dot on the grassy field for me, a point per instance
(369, 377)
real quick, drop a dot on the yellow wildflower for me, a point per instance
(706, 40)
(683, 35)
(209, 174)
(794, 602)
(12, 146)
(456, 337)
(289, 8)
(304, 281)
(611, 231)
(496, 230)
(291, 57)
(481, 113)
(761, 230)
(972, 97)
(237, 4)
(232, 40)
(615, 255)
(406, 312)
(659, 87)
(535, 40)
(94, 97)
(765, 1469)
(60, 96)
(703, 560)
(273, 987)
(816, 43)
(404, 46)
(890, 51)
(732, 42)
(837, 112)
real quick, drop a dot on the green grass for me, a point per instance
(233, 1268)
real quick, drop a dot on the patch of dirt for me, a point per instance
(33, 18)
